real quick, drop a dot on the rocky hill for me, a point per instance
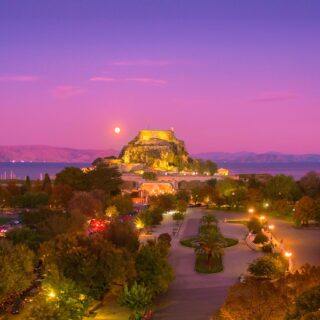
(251, 157)
(157, 149)
(50, 154)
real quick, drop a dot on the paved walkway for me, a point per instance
(196, 296)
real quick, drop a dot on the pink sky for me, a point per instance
(225, 80)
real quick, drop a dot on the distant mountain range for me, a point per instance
(41, 153)
(269, 157)
(51, 154)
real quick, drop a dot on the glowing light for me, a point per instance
(52, 294)
(117, 130)
(262, 218)
(288, 254)
(266, 205)
(271, 227)
(251, 210)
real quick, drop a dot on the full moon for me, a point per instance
(117, 130)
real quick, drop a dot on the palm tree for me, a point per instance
(209, 219)
(210, 246)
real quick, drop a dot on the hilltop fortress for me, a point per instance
(158, 151)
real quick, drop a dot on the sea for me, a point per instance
(36, 170)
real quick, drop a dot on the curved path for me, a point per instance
(196, 296)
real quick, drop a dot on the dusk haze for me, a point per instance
(160, 159)
(228, 76)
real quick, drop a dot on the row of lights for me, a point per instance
(287, 254)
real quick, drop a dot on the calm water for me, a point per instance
(36, 169)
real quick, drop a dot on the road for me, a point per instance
(196, 296)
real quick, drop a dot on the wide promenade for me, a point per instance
(196, 296)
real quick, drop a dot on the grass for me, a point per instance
(4, 220)
(189, 242)
(203, 267)
(244, 222)
(230, 242)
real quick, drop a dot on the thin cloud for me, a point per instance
(275, 97)
(105, 79)
(67, 91)
(21, 78)
(148, 81)
(141, 63)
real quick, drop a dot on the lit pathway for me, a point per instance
(194, 296)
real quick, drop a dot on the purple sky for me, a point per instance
(227, 75)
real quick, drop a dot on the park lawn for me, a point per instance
(4, 220)
(244, 222)
(202, 266)
(230, 242)
(189, 242)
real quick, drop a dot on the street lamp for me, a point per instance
(288, 254)
(51, 294)
(251, 210)
(271, 227)
(262, 218)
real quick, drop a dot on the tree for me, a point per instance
(138, 297)
(112, 212)
(260, 238)
(165, 238)
(269, 266)
(16, 269)
(153, 268)
(104, 178)
(282, 187)
(46, 185)
(273, 300)
(305, 210)
(73, 177)
(183, 195)
(281, 207)
(86, 204)
(254, 225)
(150, 176)
(59, 299)
(93, 263)
(24, 236)
(122, 235)
(181, 206)
(27, 184)
(307, 305)
(253, 300)
(61, 195)
(123, 204)
(210, 246)
(209, 219)
(164, 202)
(310, 184)
(178, 216)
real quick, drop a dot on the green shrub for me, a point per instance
(254, 225)
(260, 238)
(269, 266)
(267, 248)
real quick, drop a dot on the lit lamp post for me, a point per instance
(251, 210)
(271, 227)
(288, 255)
(262, 218)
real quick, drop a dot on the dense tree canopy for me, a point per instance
(93, 263)
(16, 269)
